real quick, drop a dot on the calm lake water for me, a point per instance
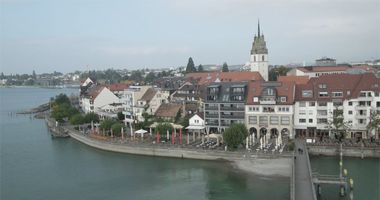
(34, 166)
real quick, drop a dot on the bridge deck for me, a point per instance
(304, 188)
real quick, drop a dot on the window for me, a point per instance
(274, 120)
(322, 103)
(262, 58)
(254, 58)
(253, 109)
(255, 99)
(270, 91)
(268, 109)
(283, 109)
(337, 94)
(302, 104)
(338, 103)
(263, 120)
(350, 103)
(362, 94)
(362, 121)
(323, 94)
(311, 103)
(285, 120)
(283, 99)
(377, 94)
(322, 86)
(302, 112)
(310, 120)
(378, 104)
(307, 93)
(350, 112)
(252, 120)
(348, 92)
(302, 120)
(322, 121)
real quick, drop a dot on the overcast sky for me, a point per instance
(68, 35)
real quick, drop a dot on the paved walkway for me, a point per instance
(303, 182)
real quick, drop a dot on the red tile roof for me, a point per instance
(168, 110)
(210, 77)
(117, 87)
(295, 79)
(94, 91)
(349, 84)
(148, 95)
(283, 89)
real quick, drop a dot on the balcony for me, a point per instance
(361, 116)
(212, 115)
(232, 116)
(212, 124)
(232, 108)
(268, 102)
(361, 107)
(211, 107)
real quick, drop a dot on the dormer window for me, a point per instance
(307, 93)
(283, 99)
(270, 91)
(322, 86)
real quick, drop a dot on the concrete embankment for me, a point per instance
(347, 151)
(268, 165)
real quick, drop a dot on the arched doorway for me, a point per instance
(253, 132)
(263, 131)
(273, 133)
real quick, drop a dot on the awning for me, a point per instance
(195, 127)
(141, 131)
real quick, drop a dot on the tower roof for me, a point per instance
(259, 45)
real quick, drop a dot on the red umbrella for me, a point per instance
(180, 136)
(158, 137)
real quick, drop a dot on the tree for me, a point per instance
(61, 99)
(225, 67)
(275, 72)
(337, 125)
(235, 135)
(162, 128)
(190, 66)
(120, 116)
(150, 77)
(116, 128)
(91, 117)
(200, 68)
(107, 124)
(76, 119)
(373, 125)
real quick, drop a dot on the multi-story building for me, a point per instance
(356, 95)
(150, 102)
(224, 105)
(130, 97)
(269, 109)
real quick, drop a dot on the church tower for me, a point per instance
(259, 55)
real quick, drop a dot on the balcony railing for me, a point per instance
(232, 116)
(232, 108)
(211, 108)
(212, 124)
(212, 115)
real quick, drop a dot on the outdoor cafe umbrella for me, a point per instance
(141, 131)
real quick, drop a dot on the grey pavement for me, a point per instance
(303, 182)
